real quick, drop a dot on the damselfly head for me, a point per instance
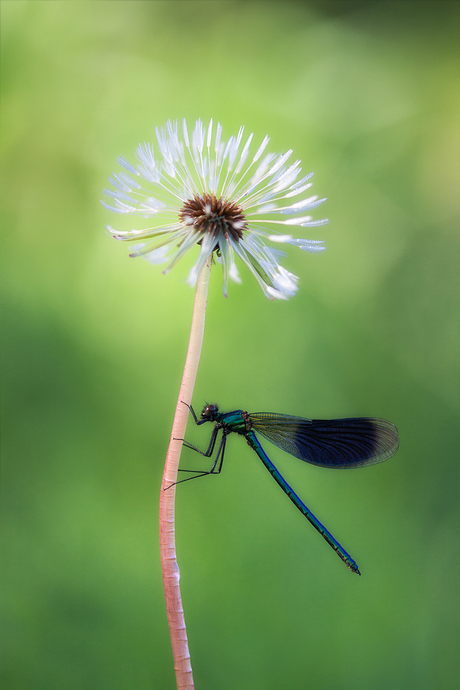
(209, 411)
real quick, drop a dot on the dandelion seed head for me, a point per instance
(198, 190)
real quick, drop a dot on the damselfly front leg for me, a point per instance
(217, 465)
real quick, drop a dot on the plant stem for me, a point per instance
(169, 564)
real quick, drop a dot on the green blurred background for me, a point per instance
(94, 344)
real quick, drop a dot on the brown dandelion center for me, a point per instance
(207, 213)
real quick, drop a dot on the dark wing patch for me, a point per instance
(338, 443)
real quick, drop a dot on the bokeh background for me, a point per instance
(367, 95)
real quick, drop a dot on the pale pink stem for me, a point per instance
(169, 564)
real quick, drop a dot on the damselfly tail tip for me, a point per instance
(354, 568)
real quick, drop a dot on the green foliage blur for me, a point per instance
(366, 93)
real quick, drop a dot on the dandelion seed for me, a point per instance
(202, 190)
